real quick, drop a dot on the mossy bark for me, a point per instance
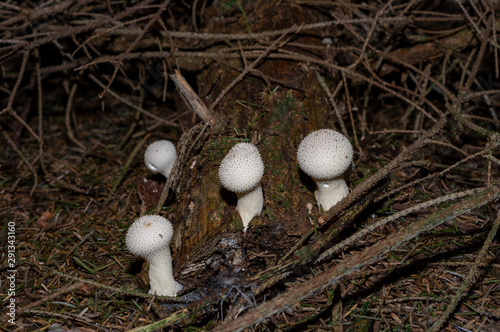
(275, 120)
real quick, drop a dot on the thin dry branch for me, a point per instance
(132, 105)
(192, 98)
(23, 158)
(69, 131)
(13, 94)
(354, 263)
(293, 29)
(366, 230)
(49, 297)
(278, 32)
(64, 33)
(356, 77)
(364, 186)
(188, 140)
(331, 100)
(479, 259)
(118, 61)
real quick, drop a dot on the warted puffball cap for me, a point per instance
(160, 156)
(149, 234)
(242, 168)
(324, 154)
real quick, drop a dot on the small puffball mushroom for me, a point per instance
(240, 172)
(325, 155)
(160, 157)
(327, 41)
(149, 237)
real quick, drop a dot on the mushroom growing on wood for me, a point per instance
(149, 237)
(160, 157)
(325, 155)
(240, 172)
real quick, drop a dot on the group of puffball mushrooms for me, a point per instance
(323, 154)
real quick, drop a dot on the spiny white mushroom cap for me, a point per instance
(242, 168)
(160, 157)
(149, 234)
(324, 154)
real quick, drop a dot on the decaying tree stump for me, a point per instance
(206, 211)
(210, 241)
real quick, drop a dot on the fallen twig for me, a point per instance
(367, 256)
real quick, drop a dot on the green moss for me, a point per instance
(283, 110)
(216, 149)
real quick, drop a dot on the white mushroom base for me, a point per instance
(161, 275)
(330, 192)
(249, 205)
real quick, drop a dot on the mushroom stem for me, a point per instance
(241, 171)
(161, 275)
(330, 192)
(250, 204)
(325, 155)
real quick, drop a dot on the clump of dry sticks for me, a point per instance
(86, 85)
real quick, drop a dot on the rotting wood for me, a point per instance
(192, 98)
(305, 253)
(367, 256)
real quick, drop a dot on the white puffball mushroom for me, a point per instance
(325, 155)
(160, 157)
(149, 237)
(327, 41)
(241, 171)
